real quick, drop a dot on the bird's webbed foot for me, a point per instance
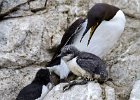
(72, 83)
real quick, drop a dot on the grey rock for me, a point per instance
(37, 4)
(8, 4)
(135, 93)
(13, 80)
(110, 93)
(90, 91)
(26, 42)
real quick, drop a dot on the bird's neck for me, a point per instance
(40, 81)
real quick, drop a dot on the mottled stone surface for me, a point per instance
(13, 80)
(135, 93)
(90, 91)
(110, 93)
(27, 39)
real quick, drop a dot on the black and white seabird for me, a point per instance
(39, 87)
(98, 32)
(84, 64)
(101, 29)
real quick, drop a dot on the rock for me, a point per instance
(135, 93)
(90, 91)
(13, 80)
(26, 42)
(110, 93)
(37, 4)
(22, 10)
(63, 8)
(8, 4)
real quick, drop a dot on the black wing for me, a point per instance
(68, 36)
(55, 61)
(30, 92)
(89, 62)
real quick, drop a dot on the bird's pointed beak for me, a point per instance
(92, 30)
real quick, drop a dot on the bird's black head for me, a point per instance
(68, 52)
(96, 15)
(42, 77)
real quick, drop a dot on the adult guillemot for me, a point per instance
(39, 87)
(100, 30)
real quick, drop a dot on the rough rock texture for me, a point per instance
(29, 32)
(25, 41)
(13, 80)
(135, 93)
(110, 93)
(90, 91)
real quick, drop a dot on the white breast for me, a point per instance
(61, 70)
(104, 37)
(75, 68)
(45, 90)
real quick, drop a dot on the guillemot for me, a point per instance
(38, 88)
(84, 64)
(100, 30)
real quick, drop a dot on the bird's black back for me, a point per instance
(34, 90)
(68, 36)
(90, 62)
(30, 92)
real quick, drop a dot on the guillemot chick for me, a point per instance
(38, 88)
(84, 64)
